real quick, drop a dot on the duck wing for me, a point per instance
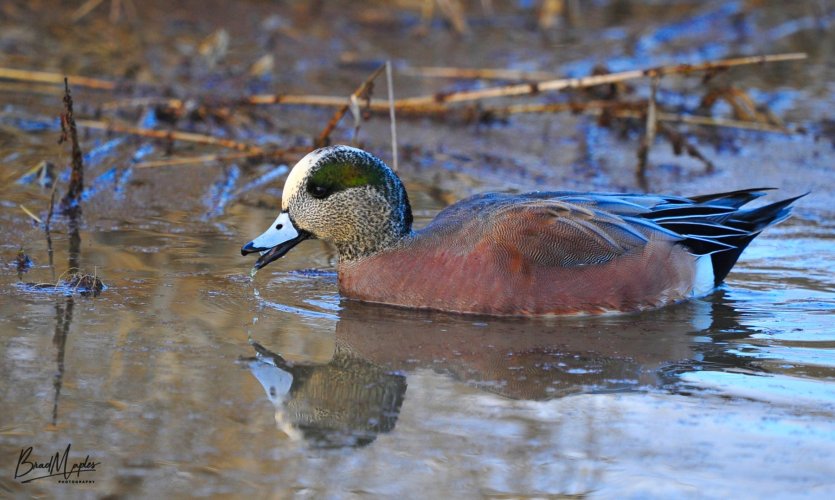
(567, 228)
(545, 229)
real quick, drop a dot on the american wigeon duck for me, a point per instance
(541, 253)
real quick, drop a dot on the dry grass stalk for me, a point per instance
(29, 88)
(49, 212)
(477, 73)
(141, 102)
(649, 134)
(51, 207)
(392, 120)
(192, 160)
(591, 81)
(30, 214)
(305, 100)
(170, 135)
(324, 101)
(573, 107)
(54, 78)
(280, 155)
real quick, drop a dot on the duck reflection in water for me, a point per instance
(346, 402)
(358, 394)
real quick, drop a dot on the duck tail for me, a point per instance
(752, 222)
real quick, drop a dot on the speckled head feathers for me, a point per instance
(348, 197)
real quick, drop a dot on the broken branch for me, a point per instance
(591, 81)
(324, 136)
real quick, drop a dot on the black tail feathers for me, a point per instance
(716, 225)
(754, 221)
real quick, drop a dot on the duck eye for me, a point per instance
(318, 191)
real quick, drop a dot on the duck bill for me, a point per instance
(275, 241)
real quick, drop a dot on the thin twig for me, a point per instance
(141, 102)
(54, 78)
(356, 113)
(649, 134)
(49, 212)
(560, 107)
(71, 202)
(327, 101)
(277, 155)
(324, 136)
(171, 135)
(29, 88)
(192, 160)
(305, 100)
(392, 120)
(477, 73)
(30, 214)
(51, 207)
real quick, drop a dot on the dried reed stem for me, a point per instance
(277, 155)
(49, 212)
(632, 110)
(649, 134)
(30, 214)
(71, 202)
(170, 135)
(54, 78)
(591, 81)
(573, 107)
(392, 120)
(477, 73)
(140, 102)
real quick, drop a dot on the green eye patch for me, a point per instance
(343, 173)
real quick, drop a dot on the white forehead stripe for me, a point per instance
(294, 181)
(297, 175)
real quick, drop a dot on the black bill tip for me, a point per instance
(270, 254)
(250, 248)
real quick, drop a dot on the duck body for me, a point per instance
(542, 253)
(524, 255)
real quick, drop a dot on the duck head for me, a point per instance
(341, 195)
